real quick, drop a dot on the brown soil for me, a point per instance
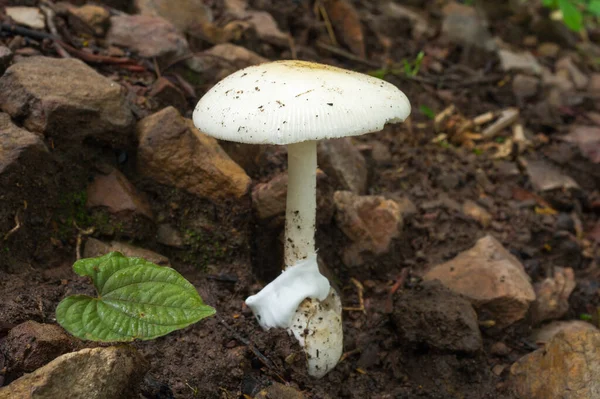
(229, 356)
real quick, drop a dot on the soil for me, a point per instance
(229, 355)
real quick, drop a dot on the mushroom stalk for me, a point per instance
(301, 202)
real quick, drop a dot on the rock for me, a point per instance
(500, 349)
(263, 22)
(6, 57)
(431, 314)
(279, 391)
(344, 163)
(185, 17)
(595, 82)
(115, 193)
(462, 25)
(568, 367)
(94, 248)
(16, 146)
(524, 86)
(476, 212)
(552, 295)
(491, 278)
(521, 62)
(546, 177)
(89, 17)
(98, 373)
(269, 199)
(167, 94)
(544, 334)
(31, 345)
(169, 236)
(587, 139)
(407, 207)
(173, 152)
(147, 36)
(28, 16)
(548, 49)
(560, 80)
(565, 222)
(222, 60)
(66, 99)
(371, 222)
(580, 80)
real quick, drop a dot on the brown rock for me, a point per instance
(98, 373)
(544, 334)
(169, 236)
(438, 317)
(115, 193)
(185, 17)
(524, 86)
(595, 82)
(548, 49)
(587, 139)
(568, 367)
(67, 99)
(478, 213)
(462, 25)
(580, 80)
(89, 17)
(147, 35)
(279, 391)
(94, 248)
(491, 278)
(222, 60)
(344, 163)
(371, 222)
(545, 176)
(523, 62)
(17, 144)
(31, 345)
(167, 94)
(269, 199)
(173, 152)
(552, 295)
(263, 22)
(31, 17)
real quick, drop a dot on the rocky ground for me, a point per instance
(465, 242)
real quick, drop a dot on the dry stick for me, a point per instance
(16, 228)
(343, 53)
(320, 9)
(50, 14)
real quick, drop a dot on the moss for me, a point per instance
(72, 212)
(204, 247)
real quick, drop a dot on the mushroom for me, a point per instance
(297, 103)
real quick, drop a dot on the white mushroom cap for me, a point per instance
(286, 102)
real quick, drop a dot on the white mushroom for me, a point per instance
(297, 103)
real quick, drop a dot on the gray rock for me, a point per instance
(462, 25)
(545, 176)
(66, 99)
(344, 163)
(6, 57)
(188, 14)
(523, 62)
(524, 86)
(98, 373)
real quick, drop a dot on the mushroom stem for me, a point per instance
(301, 202)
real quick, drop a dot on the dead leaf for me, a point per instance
(346, 23)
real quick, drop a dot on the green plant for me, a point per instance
(428, 112)
(410, 68)
(574, 11)
(136, 300)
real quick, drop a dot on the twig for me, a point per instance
(320, 9)
(250, 345)
(343, 53)
(361, 300)
(389, 304)
(80, 234)
(16, 228)
(50, 14)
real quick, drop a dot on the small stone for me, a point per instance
(498, 369)
(587, 139)
(188, 15)
(580, 80)
(433, 315)
(6, 57)
(500, 349)
(462, 25)
(421, 27)
(28, 16)
(147, 36)
(491, 278)
(567, 367)
(116, 194)
(279, 391)
(66, 99)
(523, 62)
(93, 17)
(371, 222)
(263, 22)
(548, 49)
(344, 163)
(94, 248)
(31, 345)
(169, 236)
(173, 152)
(525, 86)
(544, 334)
(476, 212)
(167, 94)
(564, 221)
(546, 177)
(98, 373)
(552, 295)
(17, 146)
(222, 60)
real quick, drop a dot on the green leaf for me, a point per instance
(594, 8)
(549, 3)
(571, 15)
(136, 300)
(428, 112)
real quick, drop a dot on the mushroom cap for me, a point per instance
(285, 102)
